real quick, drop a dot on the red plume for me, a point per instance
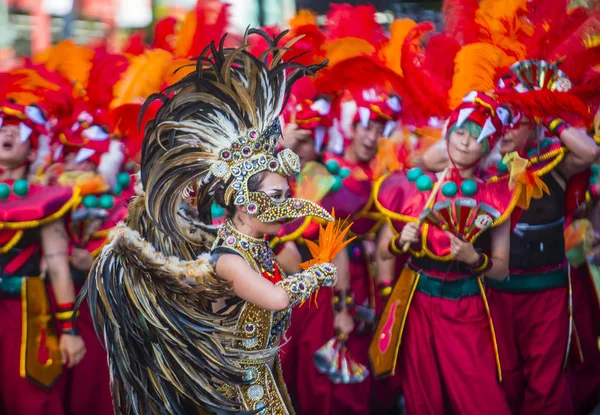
(427, 93)
(164, 32)
(209, 28)
(56, 99)
(106, 71)
(309, 49)
(545, 15)
(12, 83)
(439, 58)
(546, 102)
(581, 49)
(356, 74)
(125, 121)
(344, 20)
(459, 18)
(135, 44)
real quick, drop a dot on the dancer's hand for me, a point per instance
(462, 251)
(292, 134)
(410, 233)
(81, 259)
(72, 349)
(343, 323)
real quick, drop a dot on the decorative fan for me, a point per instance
(537, 74)
(462, 216)
(334, 360)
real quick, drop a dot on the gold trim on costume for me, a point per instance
(492, 328)
(72, 202)
(12, 242)
(36, 321)
(384, 211)
(100, 234)
(559, 153)
(384, 362)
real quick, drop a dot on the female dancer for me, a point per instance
(193, 320)
(435, 322)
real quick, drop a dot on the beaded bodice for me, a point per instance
(261, 328)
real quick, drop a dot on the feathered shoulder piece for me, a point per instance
(218, 126)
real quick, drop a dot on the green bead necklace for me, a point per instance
(20, 188)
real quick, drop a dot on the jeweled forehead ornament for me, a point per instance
(251, 154)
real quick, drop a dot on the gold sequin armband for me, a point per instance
(300, 287)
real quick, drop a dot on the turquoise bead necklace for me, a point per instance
(339, 174)
(449, 189)
(20, 188)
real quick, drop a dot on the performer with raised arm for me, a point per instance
(436, 325)
(534, 302)
(532, 307)
(198, 326)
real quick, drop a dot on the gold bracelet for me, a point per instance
(483, 266)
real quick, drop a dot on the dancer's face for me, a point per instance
(71, 165)
(515, 139)
(463, 148)
(366, 139)
(13, 151)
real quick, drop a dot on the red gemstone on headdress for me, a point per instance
(298, 204)
(246, 150)
(235, 146)
(226, 154)
(253, 134)
(273, 165)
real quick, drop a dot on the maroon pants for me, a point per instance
(532, 331)
(446, 360)
(311, 328)
(88, 383)
(20, 396)
(312, 392)
(584, 378)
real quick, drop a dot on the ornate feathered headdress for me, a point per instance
(219, 126)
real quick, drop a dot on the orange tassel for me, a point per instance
(332, 239)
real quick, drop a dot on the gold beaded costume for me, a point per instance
(153, 289)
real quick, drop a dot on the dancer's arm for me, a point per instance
(55, 243)
(583, 151)
(252, 287)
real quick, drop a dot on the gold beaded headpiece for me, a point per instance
(250, 155)
(219, 126)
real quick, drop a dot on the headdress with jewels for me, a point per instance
(219, 126)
